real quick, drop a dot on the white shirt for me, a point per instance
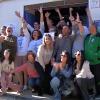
(23, 43)
(34, 44)
(85, 71)
(44, 56)
(6, 67)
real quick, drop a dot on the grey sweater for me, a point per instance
(64, 43)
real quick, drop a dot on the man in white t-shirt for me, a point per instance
(22, 46)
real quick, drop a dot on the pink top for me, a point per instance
(29, 69)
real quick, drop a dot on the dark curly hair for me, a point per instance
(30, 53)
(39, 33)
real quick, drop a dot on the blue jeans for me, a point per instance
(55, 83)
(34, 82)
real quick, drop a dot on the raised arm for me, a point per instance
(58, 11)
(41, 20)
(89, 17)
(74, 28)
(71, 17)
(23, 22)
(80, 26)
(47, 14)
(41, 14)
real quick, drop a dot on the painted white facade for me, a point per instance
(8, 7)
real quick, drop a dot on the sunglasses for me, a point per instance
(78, 53)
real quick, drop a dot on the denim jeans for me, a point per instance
(55, 83)
(32, 82)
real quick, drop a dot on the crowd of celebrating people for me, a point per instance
(61, 65)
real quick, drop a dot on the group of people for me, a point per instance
(51, 65)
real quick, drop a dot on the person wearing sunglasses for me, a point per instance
(84, 77)
(10, 42)
(61, 76)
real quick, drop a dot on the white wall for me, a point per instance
(7, 9)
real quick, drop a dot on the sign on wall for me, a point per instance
(94, 6)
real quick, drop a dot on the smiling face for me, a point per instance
(78, 56)
(47, 40)
(36, 26)
(9, 31)
(30, 57)
(64, 57)
(35, 35)
(6, 54)
(65, 30)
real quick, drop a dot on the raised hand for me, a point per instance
(23, 20)
(47, 14)
(78, 18)
(71, 9)
(71, 18)
(57, 10)
(17, 14)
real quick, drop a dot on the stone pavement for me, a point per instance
(28, 95)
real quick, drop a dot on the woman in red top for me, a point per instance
(33, 71)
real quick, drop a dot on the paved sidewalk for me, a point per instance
(28, 95)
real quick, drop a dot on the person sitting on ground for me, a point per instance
(6, 68)
(84, 77)
(34, 72)
(44, 56)
(61, 82)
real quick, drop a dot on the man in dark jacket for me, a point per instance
(10, 42)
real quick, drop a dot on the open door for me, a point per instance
(79, 6)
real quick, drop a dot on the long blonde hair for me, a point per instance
(48, 35)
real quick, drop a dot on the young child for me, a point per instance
(6, 67)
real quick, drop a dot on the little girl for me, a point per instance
(6, 67)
